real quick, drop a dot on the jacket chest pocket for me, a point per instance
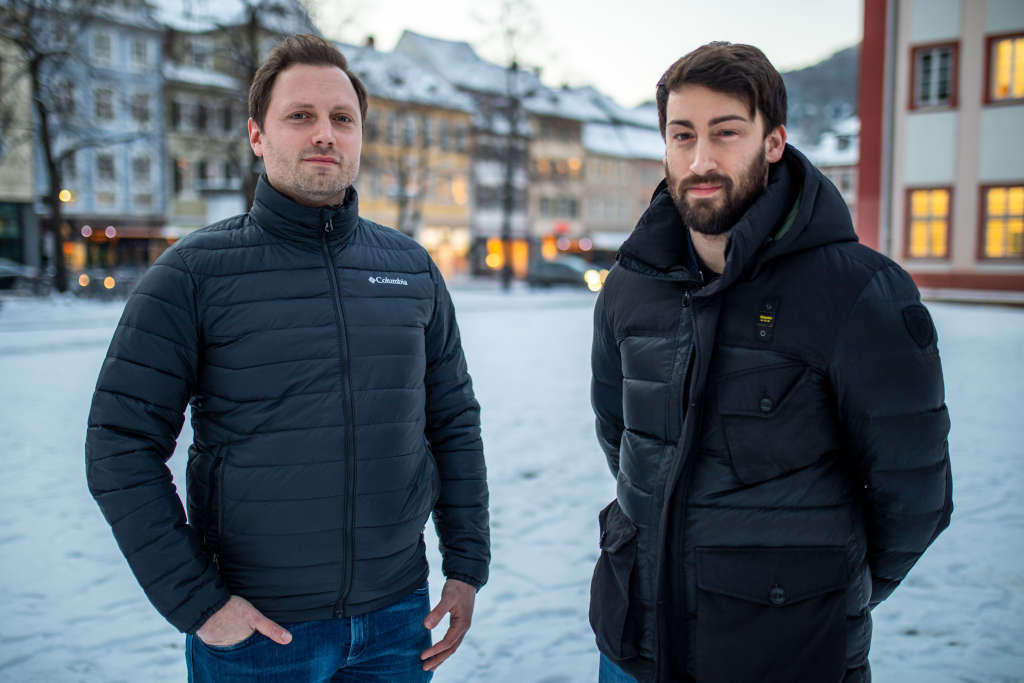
(776, 419)
(771, 615)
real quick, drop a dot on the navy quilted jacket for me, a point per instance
(778, 438)
(332, 411)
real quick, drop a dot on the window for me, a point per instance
(140, 53)
(144, 201)
(175, 115)
(928, 222)
(1003, 221)
(69, 167)
(64, 97)
(370, 131)
(179, 175)
(227, 118)
(1005, 68)
(934, 78)
(104, 104)
(201, 116)
(105, 166)
(102, 47)
(445, 139)
(140, 107)
(140, 169)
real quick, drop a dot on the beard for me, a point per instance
(716, 215)
(311, 185)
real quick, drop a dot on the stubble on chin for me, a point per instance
(322, 188)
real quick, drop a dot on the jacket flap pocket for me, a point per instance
(772, 576)
(759, 392)
(616, 528)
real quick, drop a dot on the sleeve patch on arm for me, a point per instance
(919, 325)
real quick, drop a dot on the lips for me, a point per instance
(329, 161)
(703, 190)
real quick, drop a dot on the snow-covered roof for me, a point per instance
(839, 147)
(457, 62)
(196, 76)
(397, 76)
(623, 141)
(196, 16)
(565, 103)
(644, 116)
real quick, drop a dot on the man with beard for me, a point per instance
(332, 414)
(769, 398)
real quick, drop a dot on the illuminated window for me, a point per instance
(934, 82)
(1004, 222)
(928, 223)
(1006, 68)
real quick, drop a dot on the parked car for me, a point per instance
(21, 279)
(566, 270)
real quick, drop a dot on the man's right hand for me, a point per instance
(236, 621)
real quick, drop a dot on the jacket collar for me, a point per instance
(286, 218)
(796, 211)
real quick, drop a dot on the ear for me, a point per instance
(255, 138)
(775, 144)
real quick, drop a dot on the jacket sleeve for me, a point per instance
(606, 385)
(888, 387)
(137, 412)
(453, 430)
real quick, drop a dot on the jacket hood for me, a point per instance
(286, 218)
(799, 209)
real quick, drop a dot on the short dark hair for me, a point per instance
(733, 69)
(298, 49)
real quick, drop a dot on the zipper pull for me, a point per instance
(329, 226)
(686, 299)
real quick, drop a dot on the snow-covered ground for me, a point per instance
(73, 612)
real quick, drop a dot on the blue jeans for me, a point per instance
(382, 646)
(610, 672)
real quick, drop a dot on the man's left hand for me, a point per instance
(457, 598)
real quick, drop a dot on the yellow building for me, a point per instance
(415, 169)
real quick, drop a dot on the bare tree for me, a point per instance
(405, 156)
(48, 36)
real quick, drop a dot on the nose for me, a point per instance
(703, 161)
(323, 135)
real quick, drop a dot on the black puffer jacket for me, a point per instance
(332, 412)
(778, 438)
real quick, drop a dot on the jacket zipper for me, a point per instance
(691, 416)
(339, 608)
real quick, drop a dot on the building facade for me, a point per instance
(113, 157)
(19, 235)
(415, 168)
(941, 178)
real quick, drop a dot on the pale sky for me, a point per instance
(621, 47)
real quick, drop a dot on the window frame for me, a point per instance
(982, 220)
(954, 79)
(112, 104)
(908, 219)
(987, 98)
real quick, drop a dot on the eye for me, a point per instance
(343, 118)
(683, 137)
(728, 133)
(299, 115)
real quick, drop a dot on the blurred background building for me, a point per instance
(941, 176)
(489, 168)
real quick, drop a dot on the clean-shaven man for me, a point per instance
(769, 398)
(332, 410)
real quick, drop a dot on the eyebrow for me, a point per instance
(713, 122)
(310, 105)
